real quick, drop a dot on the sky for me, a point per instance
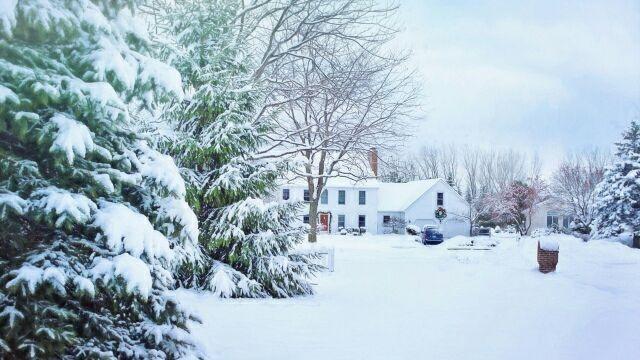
(543, 77)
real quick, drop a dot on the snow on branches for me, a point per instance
(617, 196)
(94, 220)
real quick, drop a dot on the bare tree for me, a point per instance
(428, 162)
(489, 175)
(282, 30)
(573, 185)
(508, 166)
(476, 191)
(338, 95)
(285, 32)
(396, 169)
(449, 165)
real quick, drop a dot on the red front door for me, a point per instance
(324, 222)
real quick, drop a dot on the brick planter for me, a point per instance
(547, 260)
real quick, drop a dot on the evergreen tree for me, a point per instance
(617, 200)
(246, 238)
(93, 220)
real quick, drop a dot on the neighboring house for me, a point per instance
(550, 215)
(374, 205)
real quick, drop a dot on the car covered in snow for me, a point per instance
(484, 232)
(431, 236)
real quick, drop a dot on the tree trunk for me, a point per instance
(313, 220)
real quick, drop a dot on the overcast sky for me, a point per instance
(542, 76)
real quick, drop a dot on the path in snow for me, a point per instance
(392, 298)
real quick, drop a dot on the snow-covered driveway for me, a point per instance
(392, 298)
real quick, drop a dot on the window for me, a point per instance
(305, 196)
(386, 219)
(285, 194)
(341, 221)
(362, 197)
(552, 220)
(324, 197)
(440, 201)
(305, 219)
(362, 221)
(566, 221)
(341, 197)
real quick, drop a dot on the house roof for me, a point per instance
(344, 182)
(396, 197)
(335, 182)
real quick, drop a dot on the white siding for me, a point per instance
(351, 209)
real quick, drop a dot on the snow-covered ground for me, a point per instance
(392, 298)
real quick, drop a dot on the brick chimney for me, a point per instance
(373, 161)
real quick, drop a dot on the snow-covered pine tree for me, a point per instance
(93, 220)
(246, 238)
(617, 200)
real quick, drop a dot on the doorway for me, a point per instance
(324, 222)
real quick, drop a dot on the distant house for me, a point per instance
(375, 205)
(549, 214)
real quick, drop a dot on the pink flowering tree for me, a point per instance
(516, 204)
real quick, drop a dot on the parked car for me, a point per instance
(484, 232)
(431, 236)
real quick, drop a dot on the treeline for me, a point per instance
(506, 187)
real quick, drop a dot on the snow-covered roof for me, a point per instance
(335, 182)
(344, 182)
(552, 205)
(399, 196)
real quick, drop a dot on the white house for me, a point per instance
(372, 205)
(416, 202)
(343, 203)
(550, 215)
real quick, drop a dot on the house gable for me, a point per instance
(448, 190)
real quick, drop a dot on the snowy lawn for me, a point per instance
(392, 298)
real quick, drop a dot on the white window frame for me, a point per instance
(362, 197)
(324, 197)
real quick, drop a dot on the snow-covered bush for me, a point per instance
(395, 225)
(413, 229)
(546, 231)
(216, 135)
(617, 199)
(91, 232)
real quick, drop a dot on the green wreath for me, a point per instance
(441, 213)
